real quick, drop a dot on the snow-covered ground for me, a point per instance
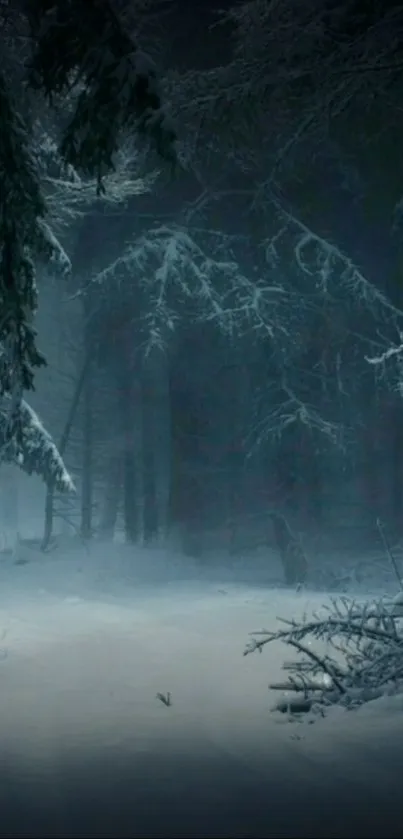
(87, 641)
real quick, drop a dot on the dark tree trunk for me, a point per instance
(130, 409)
(49, 501)
(10, 499)
(396, 294)
(238, 391)
(310, 487)
(150, 512)
(397, 469)
(291, 553)
(130, 497)
(111, 498)
(87, 462)
(372, 494)
(157, 445)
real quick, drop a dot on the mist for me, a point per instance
(90, 638)
(201, 482)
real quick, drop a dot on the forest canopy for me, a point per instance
(222, 209)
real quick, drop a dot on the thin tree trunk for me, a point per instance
(130, 408)
(129, 496)
(64, 439)
(370, 476)
(150, 512)
(10, 502)
(87, 473)
(157, 444)
(238, 393)
(397, 469)
(111, 499)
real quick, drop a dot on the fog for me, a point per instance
(90, 637)
(201, 390)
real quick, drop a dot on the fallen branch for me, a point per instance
(357, 655)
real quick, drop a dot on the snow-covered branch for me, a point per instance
(326, 263)
(85, 50)
(32, 448)
(173, 271)
(290, 411)
(380, 362)
(349, 654)
(25, 238)
(391, 352)
(70, 195)
(302, 50)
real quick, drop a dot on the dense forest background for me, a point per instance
(227, 341)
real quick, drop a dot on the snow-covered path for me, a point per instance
(86, 749)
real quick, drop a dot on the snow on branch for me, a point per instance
(50, 248)
(21, 237)
(32, 448)
(174, 270)
(302, 48)
(84, 48)
(291, 411)
(380, 362)
(326, 263)
(391, 352)
(25, 237)
(292, 73)
(69, 195)
(348, 655)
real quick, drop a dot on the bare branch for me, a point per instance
(350, 655)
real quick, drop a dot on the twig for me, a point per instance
(367, 643)
(389, 554)
(165, 698)
(320, 662)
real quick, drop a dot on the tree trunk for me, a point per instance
(111, 499)
(292, 556)
(157, 445)
(238, 392)
(150, 509)
(370, 475)
(130, 409)
(49, 500)
(397, 469)
(10, 503)
(130, 497)
(87, 462)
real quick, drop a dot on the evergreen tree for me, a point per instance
(84, 51)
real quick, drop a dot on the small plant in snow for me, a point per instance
(165, 698)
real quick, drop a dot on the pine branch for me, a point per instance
(25, 237)
(83, 48)
(32, 448)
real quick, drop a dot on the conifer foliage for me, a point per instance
(82, 52)
(83, 48)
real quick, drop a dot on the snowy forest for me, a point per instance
(201, 271)
(201, 418)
